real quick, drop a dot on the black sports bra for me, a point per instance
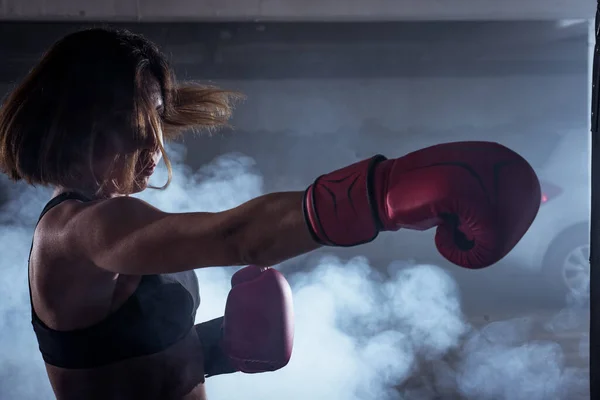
(160, 312)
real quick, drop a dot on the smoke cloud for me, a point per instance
(360, 334)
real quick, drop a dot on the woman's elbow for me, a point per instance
(249, 249)
(247, 253)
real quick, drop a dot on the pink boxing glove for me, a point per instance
(258, 329)
(481, 196)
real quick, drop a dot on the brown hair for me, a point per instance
(88, 85)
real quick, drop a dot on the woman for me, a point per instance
(90, 121)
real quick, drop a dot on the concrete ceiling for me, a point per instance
(251, 51)
(293, 10)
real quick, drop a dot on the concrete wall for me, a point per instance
(294, 10)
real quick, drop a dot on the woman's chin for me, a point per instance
(140, 184)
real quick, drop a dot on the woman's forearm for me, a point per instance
(271, 229)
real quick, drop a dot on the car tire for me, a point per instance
(566, 265)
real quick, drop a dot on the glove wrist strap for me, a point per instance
(340, 208)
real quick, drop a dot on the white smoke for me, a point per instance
(360, 334)
(22, 374)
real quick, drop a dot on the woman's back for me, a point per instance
(105, 335)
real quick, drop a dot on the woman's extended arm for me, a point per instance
(129, 236)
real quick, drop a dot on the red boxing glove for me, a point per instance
(482, 196)
(258, 329)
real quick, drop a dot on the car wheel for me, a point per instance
(566, 264)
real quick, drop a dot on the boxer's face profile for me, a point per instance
(112, 162)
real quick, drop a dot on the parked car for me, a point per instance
(557, 244)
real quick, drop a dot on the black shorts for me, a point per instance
(210, 334)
